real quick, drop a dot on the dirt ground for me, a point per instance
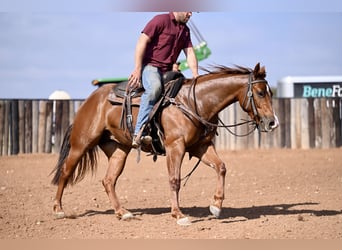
(270, 194)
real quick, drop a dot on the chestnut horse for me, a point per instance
(189, 124)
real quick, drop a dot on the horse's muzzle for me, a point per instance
(268, 124)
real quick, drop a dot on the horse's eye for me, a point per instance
(261, 93)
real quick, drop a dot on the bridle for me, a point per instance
(249, 94)
(211, 126)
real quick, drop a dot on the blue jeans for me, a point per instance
(151, 81)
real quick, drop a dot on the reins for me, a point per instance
(211, 126)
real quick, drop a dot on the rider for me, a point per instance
(157, 49)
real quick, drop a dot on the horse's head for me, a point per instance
(257, 100)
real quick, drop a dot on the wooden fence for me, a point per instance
(38, 126)
(34, 126)
(304, 123)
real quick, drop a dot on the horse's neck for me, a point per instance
(214, 95)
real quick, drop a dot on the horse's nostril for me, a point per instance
(273, 124)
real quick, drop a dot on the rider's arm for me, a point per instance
(138, 58)
(192, 60)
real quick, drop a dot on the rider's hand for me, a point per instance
(134, 80)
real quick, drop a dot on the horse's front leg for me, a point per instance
(116, 162)
(208, 156)
(174, 157)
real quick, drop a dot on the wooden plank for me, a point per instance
(242, 140)
(231, 142)
(220, 139)
(293, 124)
(57, 128)
(276, 133)
(71, 111)
(21, 126)
(326, 123)
(304, 130)
(5, 149)
(329, 128)
(77, 105)
(49, 125)
(257, 139)
(65, 117)
(318, 123)
(337, 120)
(311, 122)
(282, 124)
(287, 112)
(14, 127)
(35, 125)
(42, 126)
(28, 126)
(252, 140)
(2, 124)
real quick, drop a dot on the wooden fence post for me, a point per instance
(305, 128)
(6, 128)
(318, 123)
(14, 127)
(35, 123)
(42, 126)
(49, 126)
(2, 124)
(28, 126)
(337, 118)
(311, 123)
(21, 126)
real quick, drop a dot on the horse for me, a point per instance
(189, 124)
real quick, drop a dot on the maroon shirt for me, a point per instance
(168, 39)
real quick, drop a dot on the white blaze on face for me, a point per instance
(276, 120)
(268, 90)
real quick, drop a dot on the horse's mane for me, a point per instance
(221, 69)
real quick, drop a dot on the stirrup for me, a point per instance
(145, 139)
(135, 142)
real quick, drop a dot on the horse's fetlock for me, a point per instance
(107, 182)
(222, 169)
(174, 183)
(218, 198)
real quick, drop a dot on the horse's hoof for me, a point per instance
(184, 221)
(60, 215)
(215, 211)
(127, 216)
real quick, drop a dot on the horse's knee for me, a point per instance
(222, 169)
(174, 184)
(108, 182)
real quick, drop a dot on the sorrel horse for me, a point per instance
(97, 123)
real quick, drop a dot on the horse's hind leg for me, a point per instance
(117, 155)
(67, 170)
(208, 155)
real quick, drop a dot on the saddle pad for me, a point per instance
(120, 90)
(114, 99)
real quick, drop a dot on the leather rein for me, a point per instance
(211, 126)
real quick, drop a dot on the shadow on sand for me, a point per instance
(242, 214)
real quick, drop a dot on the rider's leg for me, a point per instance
(151, 80)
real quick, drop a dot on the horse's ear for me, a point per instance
(263, 71)
(259, 72)
(256, 69)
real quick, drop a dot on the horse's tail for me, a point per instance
(86, 163)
